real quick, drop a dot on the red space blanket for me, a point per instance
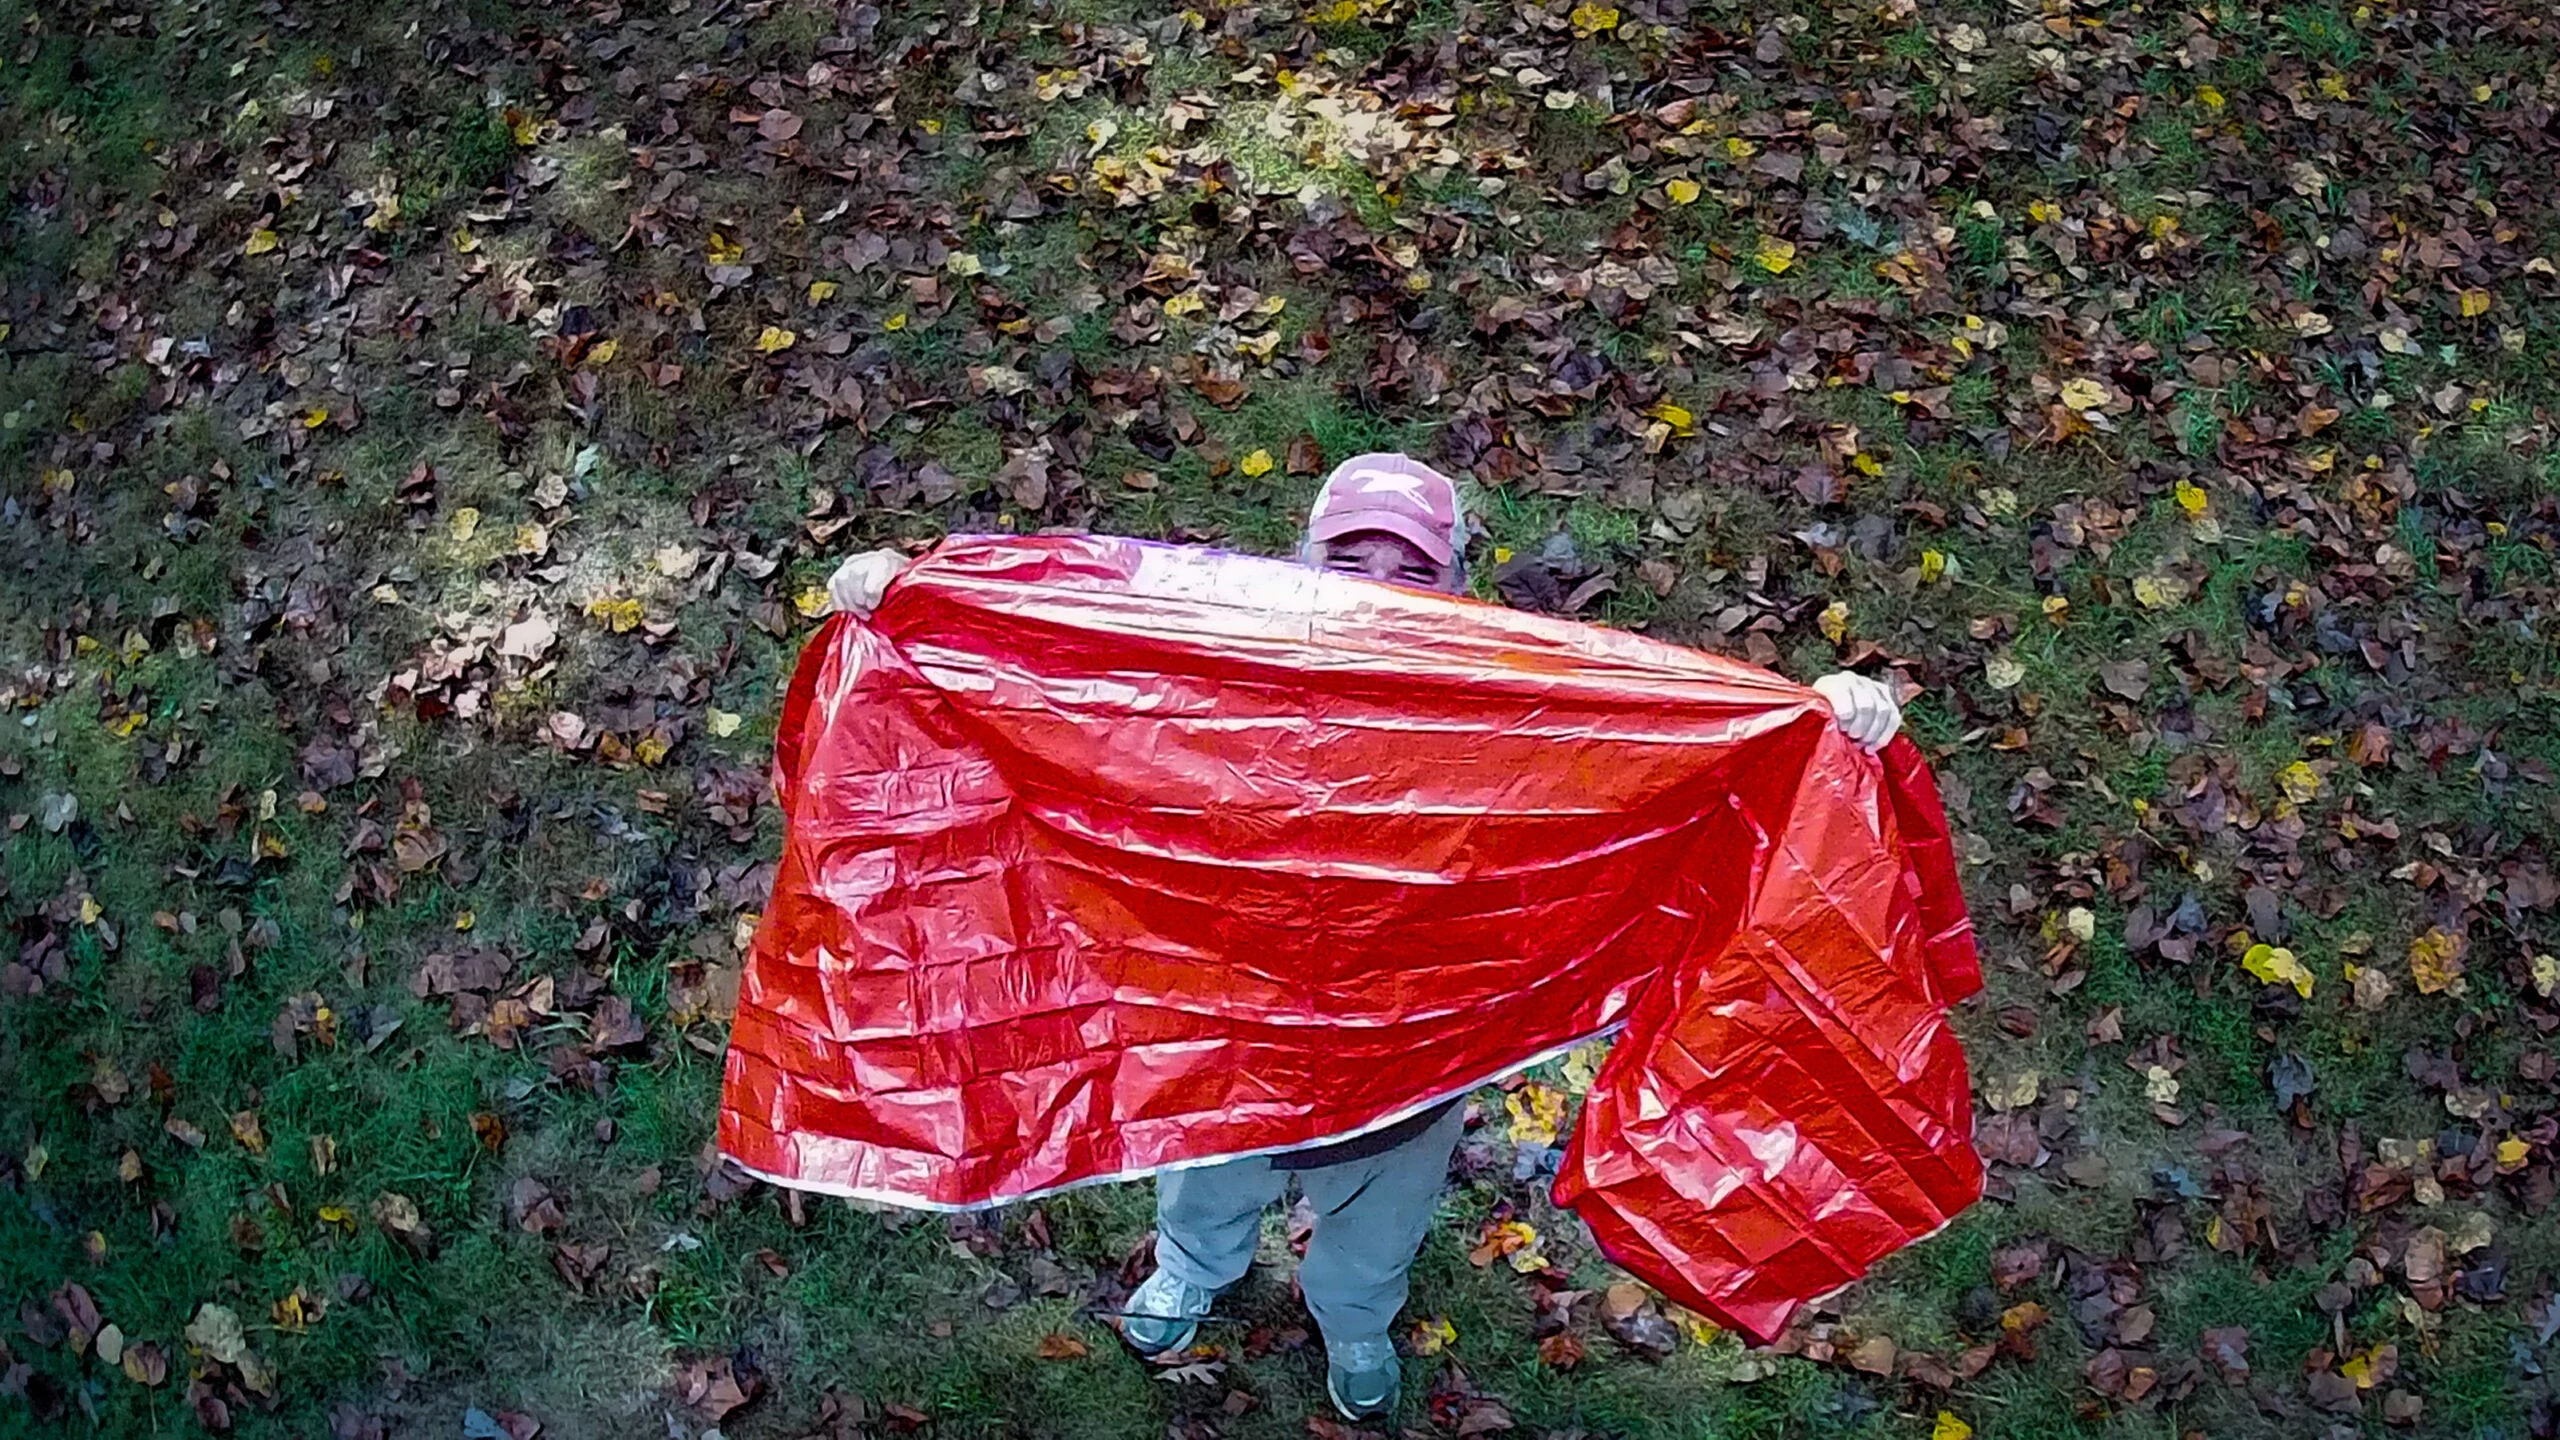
(1103, 857)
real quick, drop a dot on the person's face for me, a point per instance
(1377, 556)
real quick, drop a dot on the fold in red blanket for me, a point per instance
(1104, 857)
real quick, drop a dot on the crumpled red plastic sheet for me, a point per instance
(1105, 856)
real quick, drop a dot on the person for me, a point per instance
(1389, 518)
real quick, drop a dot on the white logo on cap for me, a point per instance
(1370, 481)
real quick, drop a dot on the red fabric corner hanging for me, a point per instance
(1105, 856)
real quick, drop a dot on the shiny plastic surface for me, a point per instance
(1105, 856)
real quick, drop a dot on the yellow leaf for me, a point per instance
(2334, 87)
(1682, 190)
(621, 615)
(1739, 148)
(1590, 19)
(2192, 498)
(2159, 592)
(1186, 303)
(1256, 464)
(527, 129)
(314, 418)
(1866, 464)
(601, 353)
(1537, 1113)
(1949, 1427)
(2546, 975)
(2300, 783)
(1834, 622)
(2435, 961)
(774, 340)
(1677, 417)
(2476, 303)
(895, 323)
(1699, 1329)
(2083, 393)
(466, 920)
(652, 748)
(2277, 967)
(1933, 566)
(964, 263)
(2512, 1151)
(721, 250)
(90, 910)
(2004, 671)
(722, 723)
(1432, 1336)
(2043, 212)
(822, 291)
(811, 602)
(465, 523)
(261, 240)
(2016, 1092)
(1775, 255)
(1582, 1065)
(464, 242)
(2210, 98)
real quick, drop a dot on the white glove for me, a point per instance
(861, 580)
(1864, 709)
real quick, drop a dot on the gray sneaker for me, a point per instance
(1163, 1314)
(1364, 1378)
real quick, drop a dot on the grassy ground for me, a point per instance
(419, 426)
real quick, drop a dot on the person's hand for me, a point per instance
(1864, 709)
(856, 587)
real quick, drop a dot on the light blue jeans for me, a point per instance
(1371, 1216)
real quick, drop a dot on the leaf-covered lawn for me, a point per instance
(424, 429)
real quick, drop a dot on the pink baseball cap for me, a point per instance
(1389, 494)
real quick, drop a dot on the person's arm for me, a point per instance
(856, 587)
(1864, 709)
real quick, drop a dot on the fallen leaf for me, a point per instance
(1590, 18)
(1430, 1337)
(2084, 393)
(530, 638)
(2014, 1091)
(2277, 967)
(1537, 1113)
(2435, 961)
